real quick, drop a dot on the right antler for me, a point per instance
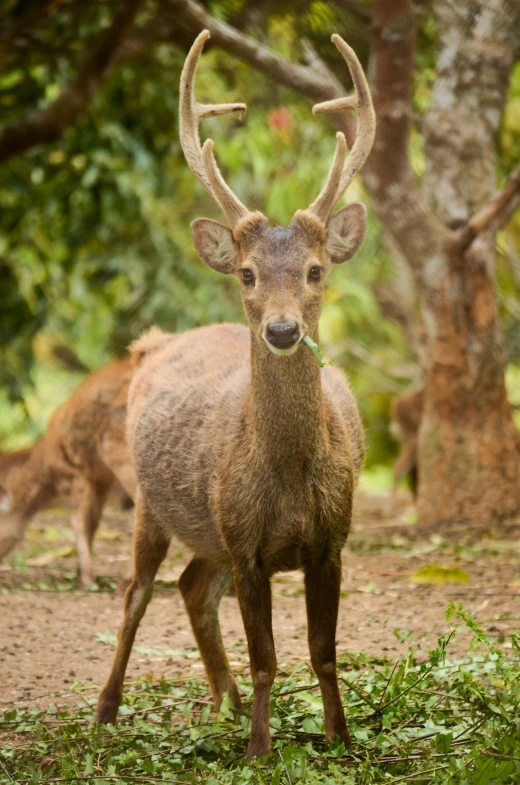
(201, 160)
(342, 173)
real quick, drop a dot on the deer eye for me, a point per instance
(247, 277)
(315, 274)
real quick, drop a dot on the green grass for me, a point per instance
(434, 721)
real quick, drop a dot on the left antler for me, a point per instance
(342, 172)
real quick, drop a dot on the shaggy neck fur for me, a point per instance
(286, 403)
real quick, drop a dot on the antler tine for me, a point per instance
(190, 115)
(341, 173)
(230, 205)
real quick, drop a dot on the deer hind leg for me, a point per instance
(150, 547)
(406, 464)
(202, 585)
(87, 505)
(254, 597)
(322, 590)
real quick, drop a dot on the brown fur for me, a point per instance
(10, 462)
(82, 455)
(243, 447)
(250, 459)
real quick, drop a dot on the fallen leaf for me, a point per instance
(437, 575)
(369, 588)
(108, 534)
(49, 556)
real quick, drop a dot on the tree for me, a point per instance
(467, 450)
(443, 224)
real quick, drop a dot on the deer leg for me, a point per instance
(87, 505)
(150, 547)
(322, 588)
(11, 534)
(203, 584)
(113, 450)
(254, 597)
(405, 464)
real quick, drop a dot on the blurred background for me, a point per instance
(94, 222)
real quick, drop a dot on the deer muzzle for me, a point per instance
(283, 336)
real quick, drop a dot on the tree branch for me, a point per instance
(387, 177)
(390, 183)
(496, 214)
(47, 124)
(301, 78)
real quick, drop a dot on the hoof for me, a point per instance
(236, 702)
(342, 735)
(88, 582)
(258, 749)
(106, 711)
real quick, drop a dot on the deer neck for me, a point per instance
(286, 403)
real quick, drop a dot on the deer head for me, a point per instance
(281, 270)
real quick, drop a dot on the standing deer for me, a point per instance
(244, 448)
(79, 458)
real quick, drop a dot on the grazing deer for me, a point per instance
(244, 448)
(80, 457)
(406, 419)
(10, 462)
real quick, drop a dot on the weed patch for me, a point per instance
(454, 722)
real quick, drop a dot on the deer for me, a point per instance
(82, 455)
(10, 462)
(244, 448)
(406, 417)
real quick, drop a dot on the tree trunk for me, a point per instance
(468, 460)
(469, 464)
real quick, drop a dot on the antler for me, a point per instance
(202, 161)
(342, 172)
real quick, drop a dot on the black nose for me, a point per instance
(283, 335)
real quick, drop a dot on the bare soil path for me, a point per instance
(53, 634)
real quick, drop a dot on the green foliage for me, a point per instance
(440, 721)
(94, 228)
(437, 575)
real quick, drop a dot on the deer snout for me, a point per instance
(282, 335)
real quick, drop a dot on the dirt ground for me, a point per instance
(53, 633)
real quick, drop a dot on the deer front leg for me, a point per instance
(150, 547)
(322, 589)
(254, 597)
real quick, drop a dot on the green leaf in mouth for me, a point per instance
(315, 349)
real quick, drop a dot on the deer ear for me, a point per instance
(215, 245)
(346, 232)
